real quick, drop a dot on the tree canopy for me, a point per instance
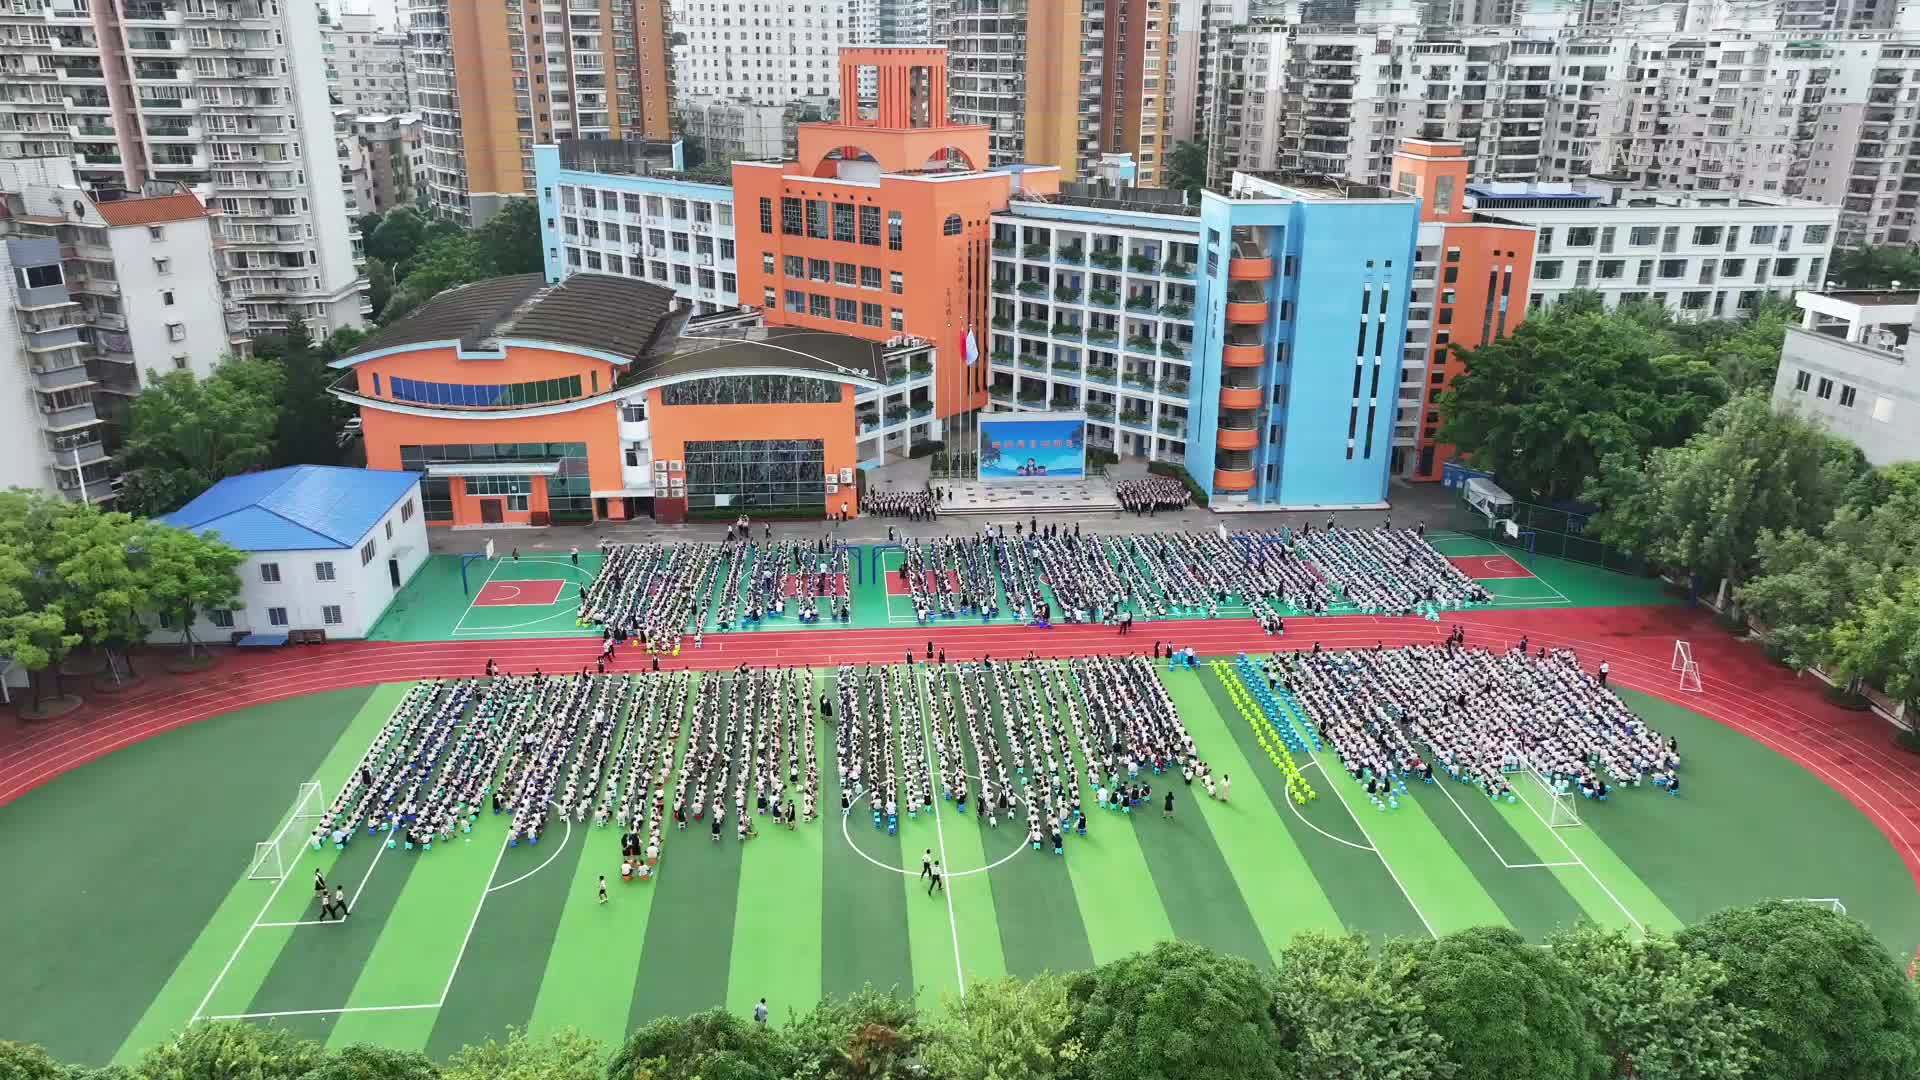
(1875, 267)
(1178, 1010)
(1657, 1008)
(1187, 167)
(184, 433)
(1543, 407)
(1829, 1001)
(1347, 1012)
(1505, 1008)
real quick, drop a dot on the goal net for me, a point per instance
(1683, 663)
(1561, 813)
(273, 858)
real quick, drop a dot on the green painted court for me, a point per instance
(129, 910)
(437, 606)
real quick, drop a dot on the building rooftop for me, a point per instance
(616, 316)
(1098, 196)
(1614, 193)
(151, 209)
(789, 348)
(1304, 187)
(298, 508)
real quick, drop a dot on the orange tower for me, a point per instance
(880, 228)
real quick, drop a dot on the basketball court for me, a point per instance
(529, 596)
(1490, 567)
(1503, 573)
(537, 592)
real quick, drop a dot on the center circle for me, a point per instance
(858, 803)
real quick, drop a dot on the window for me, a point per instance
(819, 306)
(766, 216)
(221, 617)
(1673, 268)
(897, 282)
(846, 310)
(366, 552)
(953, 226)
(1706, 234)
(895, 233)
(166, 297)
(1548, 270)
(1643, 235)
(176, 331)
(1786, 268)
(796, 301)
(869, 277)
(277, 616)
(1581, 236)
(163, 266)
(1826, 389)
(1846, 397)
(1761, 234)
(270, 572)
(845, 273)
(843, 222)
(896, 320)
(389, 528)
(406, 510)
(1802, 380)
(870, 226)
(155, 232)
(330, 614)
(1816, 234)
(870, 316)
(795, 265)
(820, 269)
(751, 390)
(818, 212)
(517, 489)
(502, 395)
(790, 217)
(323, 571)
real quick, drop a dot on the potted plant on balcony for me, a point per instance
(1105, 297)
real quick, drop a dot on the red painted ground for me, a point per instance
(897, 586)
(1851, 752)
(538, 592)
(790, 585)
(1490, 567)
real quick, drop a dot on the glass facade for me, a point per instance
(752, 390)
(503, 395)
(569, 494)
(756, 473)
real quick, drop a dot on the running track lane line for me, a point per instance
(1790, 731)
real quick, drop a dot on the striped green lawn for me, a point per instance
(790, 916)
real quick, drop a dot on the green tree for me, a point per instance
(1505, 1008)
(26, 1061)
(1656, 1007)
(186, 433)
(510, 240)
(867, 1035)
(1874, 267)
(398, 237)
(1187, 167)
(34, 627)
(1830, 1001)
(1004, 1029)
(1704, 505)
(442, 264)
(309, 419)
(380, 283)
(1878, 641)
(216, 1051)
(363, 1062)
(1543, 407)
(187, 574)
(103, 591)
(1749, 357)
(1346, 1012)
(704, 1046)
(1178, 1010)
(563, 1055)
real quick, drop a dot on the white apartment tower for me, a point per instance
(366, 65)
(227, 97)
(771, 51)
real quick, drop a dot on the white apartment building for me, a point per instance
(1825, 115)
(768, 52)
(1704, 255)
(1853, 366)
(104, 293)
(727, 130)
(366, 64)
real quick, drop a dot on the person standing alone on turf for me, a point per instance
(603, 888)
(935, 883)
(320, 884)
(760, 1013)
(1168, 812)
(926, 864)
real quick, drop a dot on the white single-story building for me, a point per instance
(327, 548)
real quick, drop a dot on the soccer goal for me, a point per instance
(273, 859)
(1828, 902)
(1683, 663)
(1562, 812)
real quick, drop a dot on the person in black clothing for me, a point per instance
(1168, 811)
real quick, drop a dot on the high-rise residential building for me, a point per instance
(366, 64)
(724, 129)
(770, 52)
(228, 97)
(104, 293)
(900, 22)
(1063, 83)
(388, 150)
(1192, 65)
(880, 230)
(492, 78)
(1824, 115)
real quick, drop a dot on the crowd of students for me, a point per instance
(750, 748)
(1152, 494)
(912, 504)
(1475, 715)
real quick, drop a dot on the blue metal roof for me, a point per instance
(298, 508)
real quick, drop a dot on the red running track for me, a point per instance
(1851, 752)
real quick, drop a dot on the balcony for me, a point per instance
(1239, 269)
(1238, 438)
(73, 416)
(1247, 312)
(1233, 479)
(1237, 398)
(74, 457)
(72, 377)
(1243, 356)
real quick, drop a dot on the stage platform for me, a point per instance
(1025, 497)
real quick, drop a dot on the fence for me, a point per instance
(1558, 533)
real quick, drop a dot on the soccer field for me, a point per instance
(122, 929)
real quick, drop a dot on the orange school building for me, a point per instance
(881, 227)
(526, 404)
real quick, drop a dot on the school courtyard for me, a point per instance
(128, 831)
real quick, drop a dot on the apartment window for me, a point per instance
(277, 616)
(163, 266)
(846, 310)
(330, 614)
(819, 306)
(1706, 234)
(270, 572)
(791, 217)
(796, 301)
(1762, 234)
(1673, 268)
(1581, 236)
(766, 216)
(176, 331)
(166, 297)
(870, 226)
(843, 222)
(323, 571)
(1816, 234)
(1643, 235)
(818, 213)
(155, 232)
(896, 320)
(895, 232)
(870, 316)
(366, 553)
(845, 273)
(1548, 270)
(897, 282)
(221, 617)
(1785, 268)
(767, 262)
(1846, 397)
(1826, 389)
(870, 277)
(795, 265)
(1802, 380)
